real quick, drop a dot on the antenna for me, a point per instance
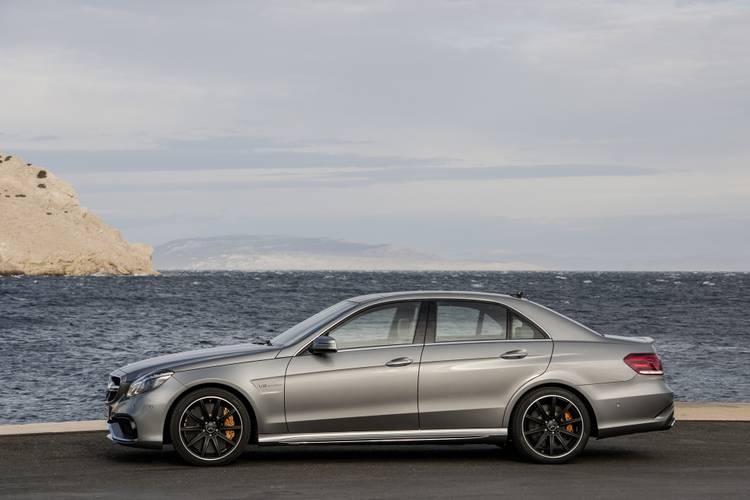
(518, 294)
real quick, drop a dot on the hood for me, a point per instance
(200, 358)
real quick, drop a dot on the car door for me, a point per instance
(370, 383)
(475, 357)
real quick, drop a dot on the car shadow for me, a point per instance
(375, 453)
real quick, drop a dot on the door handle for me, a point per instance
(515, 354)
(399, 362)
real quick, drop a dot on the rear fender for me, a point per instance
(547, 382)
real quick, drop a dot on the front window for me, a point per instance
(391, 324)
(301, 330)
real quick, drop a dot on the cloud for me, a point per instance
(230, 180)
(579, 107)
(506, 172)
(218, 163)
(44, 138)
(225, 152)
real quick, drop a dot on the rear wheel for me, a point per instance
(551, 425)
(210, 427)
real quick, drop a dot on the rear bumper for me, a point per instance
(641, 404)
(660, 423)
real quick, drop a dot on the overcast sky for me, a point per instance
(577, 135)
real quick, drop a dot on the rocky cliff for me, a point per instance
(45, 231)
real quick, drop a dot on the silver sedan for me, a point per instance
(399, 367)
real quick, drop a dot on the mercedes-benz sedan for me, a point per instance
(399, 367)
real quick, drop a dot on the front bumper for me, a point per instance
(139, 421)
(122, 430)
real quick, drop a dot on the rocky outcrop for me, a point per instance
(45, 231)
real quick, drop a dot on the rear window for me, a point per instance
(523, 330)
(459, 320)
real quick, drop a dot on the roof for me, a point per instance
(427, 294)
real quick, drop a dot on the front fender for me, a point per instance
(260, 383)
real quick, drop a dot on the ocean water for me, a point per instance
(61, 336)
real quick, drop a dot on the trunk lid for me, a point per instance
(634, 340)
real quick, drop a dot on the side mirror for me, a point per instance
(322, 345)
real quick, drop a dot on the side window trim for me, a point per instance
(422, 318)
(480, 323)
(510, 312)
(431, 320)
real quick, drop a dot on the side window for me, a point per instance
(387, 325)
(521, 330)
(469, 321)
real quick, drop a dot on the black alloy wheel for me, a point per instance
(551, 425)
(210, 427)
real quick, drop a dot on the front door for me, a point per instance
(476, 356)
(369, 384)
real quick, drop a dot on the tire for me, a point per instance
(206, 434)
(550, 426)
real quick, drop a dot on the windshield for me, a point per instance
(300, 330)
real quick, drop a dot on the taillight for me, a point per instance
(645, 363)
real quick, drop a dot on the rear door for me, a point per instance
(475, 357)
(370, 383)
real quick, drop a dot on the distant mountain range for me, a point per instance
(272, 252)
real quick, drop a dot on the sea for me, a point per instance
(60, 337)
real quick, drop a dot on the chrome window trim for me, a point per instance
(454, 342)
(370, 348)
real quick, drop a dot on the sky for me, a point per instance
(607, 135)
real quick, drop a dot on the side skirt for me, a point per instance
(383, 436)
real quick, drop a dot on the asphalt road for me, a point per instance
(694, 460)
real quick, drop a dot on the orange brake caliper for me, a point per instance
(568, 416)
(230, 423)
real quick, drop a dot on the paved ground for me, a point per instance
(694, 460)
(683, 411)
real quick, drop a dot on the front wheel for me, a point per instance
(210, 427)
(550, 426)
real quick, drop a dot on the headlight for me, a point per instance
(148, 382)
